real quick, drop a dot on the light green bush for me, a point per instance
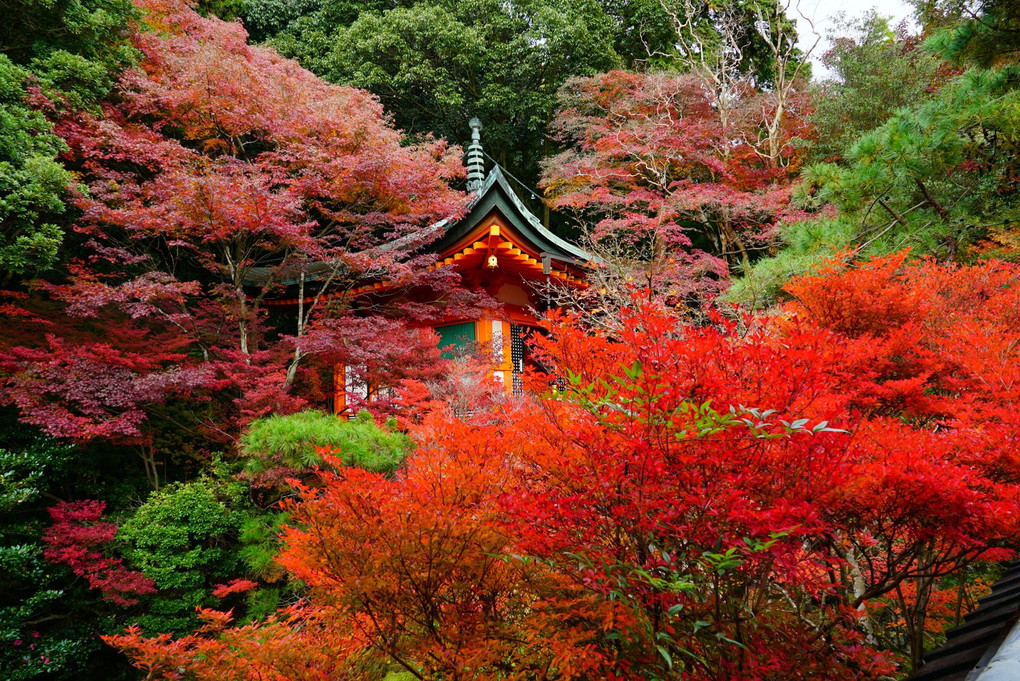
(806, 245)
(292, 441)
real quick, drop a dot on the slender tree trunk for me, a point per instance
(233, 261)
(916, 622)
(147, 452)
(858, 590)
(733, 245)
(296, 361)
(961, 592)
(242, 323)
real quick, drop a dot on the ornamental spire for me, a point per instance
(475, 162)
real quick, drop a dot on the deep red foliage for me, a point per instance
(76, 539)
(216, 176)
(655, 156)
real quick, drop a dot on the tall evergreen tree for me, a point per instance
(938, 176)
(55, 55)
(980, 32)
(876, 69)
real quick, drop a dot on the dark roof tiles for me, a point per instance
(973, 643)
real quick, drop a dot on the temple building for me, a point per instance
(501, 248)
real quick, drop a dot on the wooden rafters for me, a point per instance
(512, 254)
(493, 237)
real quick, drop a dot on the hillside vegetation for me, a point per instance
(774, 438)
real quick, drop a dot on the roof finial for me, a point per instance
(475, 162)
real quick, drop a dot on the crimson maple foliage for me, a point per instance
(216, 175)
(76, 538)
(650, 158)
(928, 353)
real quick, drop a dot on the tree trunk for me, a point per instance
(147, 452)
(858, 590)
(296, 361)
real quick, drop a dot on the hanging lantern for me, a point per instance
(493, 262)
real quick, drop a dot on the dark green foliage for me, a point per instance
(266, 18)
(54, 616)
(192, 537)
(728, 31)
(804, 245)
(280, 447)
(923, 159)
(437, 64)
(937, 177)
(72, 46)
(259, 545)
(33, 590)
(185, 539)
(95, 29)
(25, 472)
(69, 51)
(32, 181)
(228, 10)
(293, 441)
(984, 33)
(263, 603)
(876, 70)
(640, 28)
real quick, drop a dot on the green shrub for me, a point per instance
(260, 544)
(293, 440)
(184, 538)
(805, 246)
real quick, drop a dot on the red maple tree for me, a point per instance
(76, 538)
(216, 176)
(650, 158)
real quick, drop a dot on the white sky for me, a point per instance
(823, 11)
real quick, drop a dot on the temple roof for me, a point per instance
(496, 194)
(986, 644)
(493, 196)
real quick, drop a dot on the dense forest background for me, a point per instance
(784, 433)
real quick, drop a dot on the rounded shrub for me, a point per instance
(295, 441)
